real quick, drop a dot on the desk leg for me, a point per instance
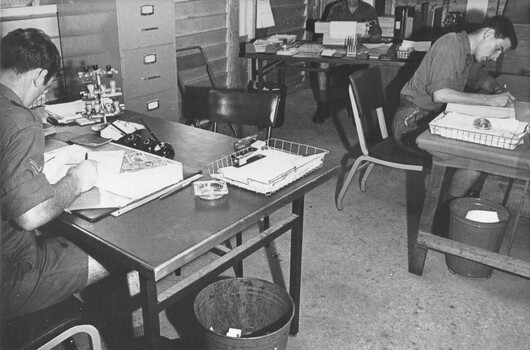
(295, 276)
(280, 75)
(418, 253)
(150, 311)
(260, 75)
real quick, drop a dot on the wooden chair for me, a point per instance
(50, 327)
(240, 108)
(367, 97)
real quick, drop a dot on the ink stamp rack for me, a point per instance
(102, 95)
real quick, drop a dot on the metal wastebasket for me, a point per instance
(483, 235)
(261, 310)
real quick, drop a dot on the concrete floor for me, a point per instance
(356, 290)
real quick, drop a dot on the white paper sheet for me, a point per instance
(341, 30)
(264, 17)
(484, 216)
(109, 164)
(66, 112)
(57, 162)
(141, 183)
(266, 170)
(416, 45)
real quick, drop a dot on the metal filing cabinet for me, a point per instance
(137, 37)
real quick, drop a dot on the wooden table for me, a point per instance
(448, 153)
(160, 237)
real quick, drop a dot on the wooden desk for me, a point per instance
(448, 153)
(158, 238)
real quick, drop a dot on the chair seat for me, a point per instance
(390, 151)
(35, 329)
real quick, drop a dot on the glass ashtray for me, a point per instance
(482, 124)
(210, 189)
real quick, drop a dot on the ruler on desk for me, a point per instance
(163, 193)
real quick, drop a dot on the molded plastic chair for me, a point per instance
(367, 96)
(258, 109)
(47, 328)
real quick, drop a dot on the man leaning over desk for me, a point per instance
(37, 271)
(343, 10)
(451, 65)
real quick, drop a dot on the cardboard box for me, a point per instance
(262, 46)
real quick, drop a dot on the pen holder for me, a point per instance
(351, 45)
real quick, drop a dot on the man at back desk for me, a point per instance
(343, 10)
(37, 271)
(451, 72)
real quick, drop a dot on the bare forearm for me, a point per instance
(454, 96)
(65, 192)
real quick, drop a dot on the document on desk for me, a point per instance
(507, 112)
(268, 169)
(115, 188)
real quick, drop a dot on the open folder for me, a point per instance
(115, 188)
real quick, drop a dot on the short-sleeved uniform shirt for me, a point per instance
(448, 64)
(364, 13)
(25, 261)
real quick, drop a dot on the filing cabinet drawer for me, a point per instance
(148, 70)
(160, 105)
(145, 23)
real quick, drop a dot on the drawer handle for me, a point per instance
(153, 104)
(147, 10)
(150, 58)
(151, 77)
(149, 29)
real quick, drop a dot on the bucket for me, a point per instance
(483, 235)
(261, 310)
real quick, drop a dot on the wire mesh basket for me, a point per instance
(506, 141)
(310, 158)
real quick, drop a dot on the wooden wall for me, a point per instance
(42, 17)
(204, 23)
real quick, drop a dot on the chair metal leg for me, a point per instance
(365, 176)
(92, 332)
(347, 182)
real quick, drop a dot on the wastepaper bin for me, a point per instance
(479, 234)
(261, 310)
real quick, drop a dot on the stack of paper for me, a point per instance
(114, 188)
(65, 113)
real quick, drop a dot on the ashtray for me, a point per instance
(482, 124)
(210, 189)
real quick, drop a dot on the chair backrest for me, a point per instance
(367, 96)
(258, 109)
(193, 67)
(195, 77)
